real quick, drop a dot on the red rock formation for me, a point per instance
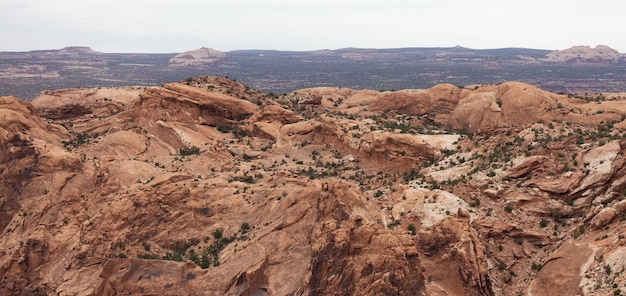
(208, 187)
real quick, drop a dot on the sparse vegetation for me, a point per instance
(193, 150)
(411, 229)
(79, 140)
(351, 167)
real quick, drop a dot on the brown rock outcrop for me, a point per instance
(483, 108)
(268, 121)
(29, 149)
(560, 185)
(77, 102)
(456, 243)
(528, 165)
(561, 272)
(214, 104)
(510, 103)
(349, 257)
(603, 218)
(439, 99)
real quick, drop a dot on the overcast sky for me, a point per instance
(165, 26)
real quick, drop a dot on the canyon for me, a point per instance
(208, 186)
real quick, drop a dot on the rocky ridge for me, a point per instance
(209, 187)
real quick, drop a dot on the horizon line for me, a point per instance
(310, 50)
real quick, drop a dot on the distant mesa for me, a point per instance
(198, 58)
(586, 54)
(78, 49)
(73, 51)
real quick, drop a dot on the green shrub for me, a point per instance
(193, 150)
(411, 229)
(148, 256)
(217, 234)
(80, 139)
(171, 257)
(223, 128)
(245, 227)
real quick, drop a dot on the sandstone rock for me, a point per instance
(539, 204)
(603, 217)
(273, 113)
(300, 128)
(561, 273)
(392, 272)
(585, 54)
(476, 111)
(560, 185)
(430, 207)
(454, 173)
(620, 206)
(437, 100)
(455, 239)
(493, 193)
(268, 121)
(528, 165)
(403, 103)
(600, 165)
(212, 102)
(315, 100)
(90, 102)
(328, 198)
(201, 57)
(616, 258)
(494, 228)
(524, 104)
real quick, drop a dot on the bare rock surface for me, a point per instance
(208, 187)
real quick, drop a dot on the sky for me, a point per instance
(166, 26)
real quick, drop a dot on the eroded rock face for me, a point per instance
(268, 121)
(457, 243)
(207, 187)
(526, 166)
(557, 274)
(482, 108)
(30, 148)
(437, 100)
(347, 255)
(599, 161)
(73, 103)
